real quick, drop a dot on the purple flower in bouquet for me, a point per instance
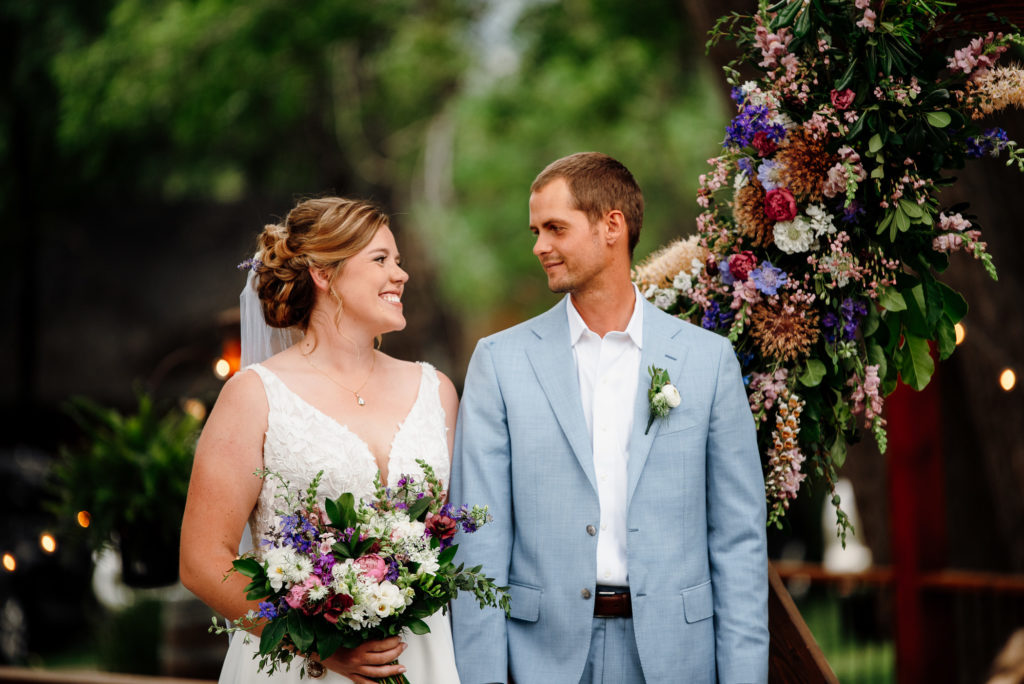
(768, 278)
(991, 143)
(748, 123)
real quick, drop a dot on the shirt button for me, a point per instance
(591, 531)
(585, 593)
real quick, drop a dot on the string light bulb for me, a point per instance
(9, 563)
(47, 542)
(961, 333)
(222, 368)
(1007, 379)
(83, 518)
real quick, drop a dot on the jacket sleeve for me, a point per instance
(481, 474)
(737, 542)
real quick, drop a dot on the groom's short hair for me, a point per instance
(598, 183)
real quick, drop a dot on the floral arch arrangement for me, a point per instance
(822, 238)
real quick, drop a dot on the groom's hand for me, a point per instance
(370, 661)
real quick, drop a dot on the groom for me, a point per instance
(631, 555)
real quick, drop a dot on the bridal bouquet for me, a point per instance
(822, 234)
(351, 571)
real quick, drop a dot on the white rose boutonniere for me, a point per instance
(663, 395)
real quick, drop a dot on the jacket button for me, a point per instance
(585, 593)
(591, 530)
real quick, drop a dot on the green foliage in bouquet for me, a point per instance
(822, 237)
(131, 475)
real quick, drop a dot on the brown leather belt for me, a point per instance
(612, 603)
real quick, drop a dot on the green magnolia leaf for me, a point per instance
(933, 302)
(418, 627)
(886, 220)
(845, 79)
(892, 300)
(902, 221)
(333, 512)
(787, 15)
(878, 172)
(813, 374)
(938, 119)
(910, 208)
(870, 324)
(953, 304)
(448, 555)
(946, 335)
(328, 639)
(918, 366)
(875, 143)
(837, 453)
(803, 23)
(876, 357)
(916, 320)
(249, 567)
(272, 634)
(419, 508)
(300, 630)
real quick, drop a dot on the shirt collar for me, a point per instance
(634, 329)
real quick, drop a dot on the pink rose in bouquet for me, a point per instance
(740, 265)
(373, 566)
(842, 99)
(780, 205)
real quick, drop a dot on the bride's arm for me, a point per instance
(222, 493)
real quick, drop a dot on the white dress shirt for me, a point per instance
(608, 370)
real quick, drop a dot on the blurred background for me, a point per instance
(145, 144)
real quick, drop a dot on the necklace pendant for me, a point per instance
(360, 400)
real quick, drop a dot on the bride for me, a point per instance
(329, 402)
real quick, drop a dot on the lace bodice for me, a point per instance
(301, 440)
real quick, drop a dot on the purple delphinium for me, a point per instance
(250, 265)
(392, 573)
(852, 212)
(715, 318)
(991, 142)
(746, 165)
(737, 95)
(851, 313)
(829, 322)
(768, 278)
(753, 119)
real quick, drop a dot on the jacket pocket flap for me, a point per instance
(525, 602)
(698, 603)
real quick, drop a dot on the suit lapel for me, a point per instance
(662, 350)
(553, 362)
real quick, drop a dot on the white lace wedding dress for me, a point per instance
(300, 441)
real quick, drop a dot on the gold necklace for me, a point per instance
(359, 400)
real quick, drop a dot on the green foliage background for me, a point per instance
(215, 101)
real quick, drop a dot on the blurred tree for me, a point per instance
(621, 78)
(216, 99)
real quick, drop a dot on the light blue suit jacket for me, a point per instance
(696, 549)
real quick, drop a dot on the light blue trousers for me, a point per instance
(613, 657)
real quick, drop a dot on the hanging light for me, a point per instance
(9, 564)
(83, 518)
(1007, 379)
(222, 369)
(47, 542)
(961, 332)
(195, 408)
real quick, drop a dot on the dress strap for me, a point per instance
(272, 384)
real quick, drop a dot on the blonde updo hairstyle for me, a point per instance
(318, 233)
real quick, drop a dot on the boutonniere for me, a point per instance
(663, 395)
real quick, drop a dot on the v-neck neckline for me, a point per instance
(347, 430)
